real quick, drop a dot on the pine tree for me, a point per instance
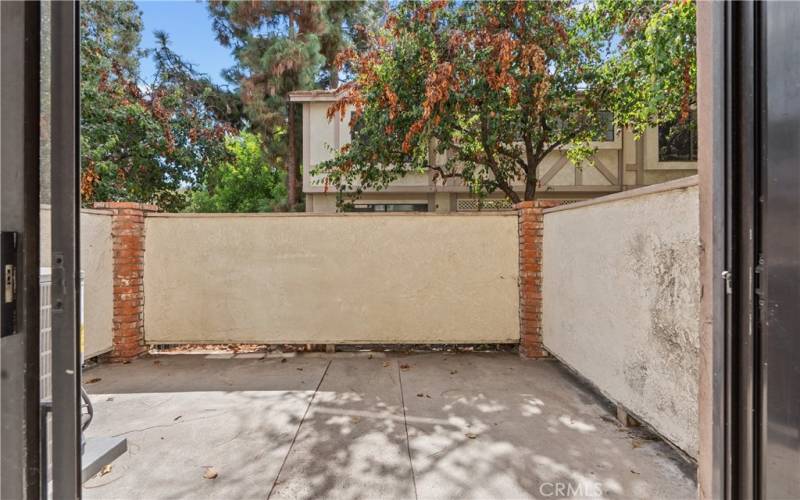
(281, 46)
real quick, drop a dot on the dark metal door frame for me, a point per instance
(65, 250)
(22, 461)
(743, 136)
(762, 332)
(19, 216)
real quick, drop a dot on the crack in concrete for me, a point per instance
(297, 432)
(405, 424)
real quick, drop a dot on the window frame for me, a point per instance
(693, 142)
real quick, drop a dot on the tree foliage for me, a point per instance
(144, 141)
(282, 46)
(651, 62)
(244, 183)
(493, 88)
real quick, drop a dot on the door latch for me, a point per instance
(9, 283)
(8, 266)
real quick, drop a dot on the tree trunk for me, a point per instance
(291, 162)
(530, 185)
(334, 77)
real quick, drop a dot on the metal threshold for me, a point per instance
(99, 452)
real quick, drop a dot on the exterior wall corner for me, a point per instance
(128, 243)
(531, 230)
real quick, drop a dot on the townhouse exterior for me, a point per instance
(621, 162)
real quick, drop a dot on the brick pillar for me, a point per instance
(531, 226)
(127, 235)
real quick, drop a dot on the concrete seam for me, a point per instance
(297, 432)
(405, 425)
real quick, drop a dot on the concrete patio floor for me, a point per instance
(353, 426)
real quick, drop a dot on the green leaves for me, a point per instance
(652, 64)
(245, 183)
(144, 141)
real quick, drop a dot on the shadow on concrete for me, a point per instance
(438, 425)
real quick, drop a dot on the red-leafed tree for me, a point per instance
(493, 86)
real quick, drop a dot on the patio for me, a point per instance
(368, 425)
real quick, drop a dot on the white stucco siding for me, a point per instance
(621, 289)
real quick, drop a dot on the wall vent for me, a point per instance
(477, 205)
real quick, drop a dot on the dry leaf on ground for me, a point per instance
(210, 473)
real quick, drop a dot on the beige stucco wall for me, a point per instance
(621, 294)
(96, 264)
(346, 278)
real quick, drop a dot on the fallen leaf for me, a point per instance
(404, 366)
(355, 420)
(471, 435)
(93, 380)
(386, 364)
(157, 362)
(176, 418)
(634, 472)
(283, 360)
(299, 369)
(110, 399)
(453, 372)
(210, 473)
(105, 470)
(369, 357)
(428, 396)
(419, 395)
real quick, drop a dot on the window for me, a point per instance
(389, 207)
(357, 125)
(607, 133)
(678, 142)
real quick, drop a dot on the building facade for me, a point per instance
(621, 162)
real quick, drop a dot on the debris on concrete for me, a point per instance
(210, 473)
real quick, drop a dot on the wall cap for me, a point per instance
(117, 205)
(682, 183)
(539, 203)
(289, 215)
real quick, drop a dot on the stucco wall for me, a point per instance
(621, 292)
(339, 278)
(96, 264)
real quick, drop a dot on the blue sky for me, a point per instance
(189, 28)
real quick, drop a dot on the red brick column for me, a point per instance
(531, 226)
(127, 235)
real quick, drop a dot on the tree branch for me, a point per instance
(491, 162)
